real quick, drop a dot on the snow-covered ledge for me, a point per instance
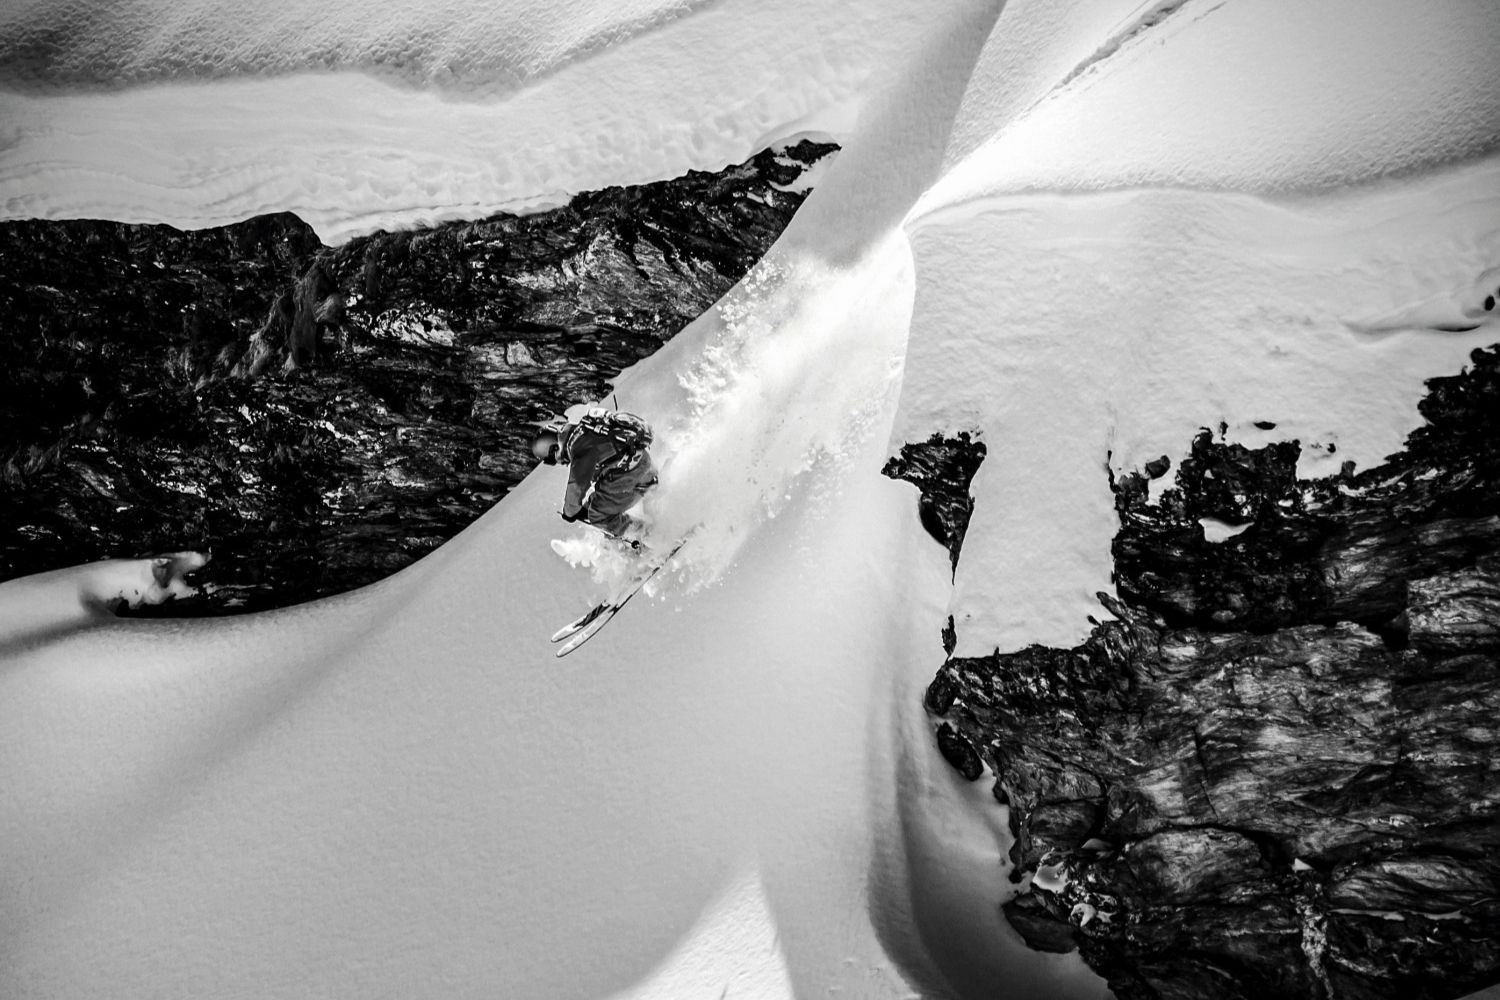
(45, 605)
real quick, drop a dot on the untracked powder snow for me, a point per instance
(1081, 231)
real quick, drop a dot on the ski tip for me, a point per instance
(579, 623)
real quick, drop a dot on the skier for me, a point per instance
(609, 468)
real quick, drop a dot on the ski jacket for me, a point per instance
(617, 478)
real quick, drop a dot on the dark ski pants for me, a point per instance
(617, 491)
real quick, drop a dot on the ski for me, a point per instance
(585, 619)
(582, 621)
(587, 625)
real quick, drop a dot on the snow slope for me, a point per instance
(447, 44)
(1102, 330)
(1250, 95)
(352, 152)
(1113, 326)
(732, 791)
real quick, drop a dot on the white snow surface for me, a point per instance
(1252, 95)
(733, 790)
(447, 44)
(604, 102)
(1110, 327)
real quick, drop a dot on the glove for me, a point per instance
(576, 515)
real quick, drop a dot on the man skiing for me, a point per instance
(609, 468)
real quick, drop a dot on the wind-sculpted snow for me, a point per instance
(512, 109)
(1250, 95)
(1115, 325)
(352, 152)
(446, 44)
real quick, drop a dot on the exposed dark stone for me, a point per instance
(1371, 955)
(1456, 612)
(1040, 928)
(1215, 764)
(1330, 550)
(321, 417)
(1157, 467)
(958, 751)
(940, 694)
(1300, 798)
(1068, 821)
(942, 469)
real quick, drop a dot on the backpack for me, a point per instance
(629, 432)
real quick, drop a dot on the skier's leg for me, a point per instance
(615, 493)
(619, 524)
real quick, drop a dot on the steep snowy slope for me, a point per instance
(401, 789)
(351, 153)
(446, 44)
(1111, 327)
(1250, 95)
(732, 791)
(1103, 330)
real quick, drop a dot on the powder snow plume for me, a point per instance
(800, 361)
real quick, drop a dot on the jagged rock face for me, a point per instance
(942, 469)
(1329, 550)
(1274, 775)
(320, 417)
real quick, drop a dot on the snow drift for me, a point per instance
(519, 111)
(1114, 326)
(459, 113)
(733, 790)
(444, 44)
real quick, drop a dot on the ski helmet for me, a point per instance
(546, 446)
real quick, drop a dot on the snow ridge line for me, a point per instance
(1145, 18)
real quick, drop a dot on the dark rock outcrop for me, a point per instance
(942, 469)
(320, 417)
(1274, 774)
(1339, 549)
